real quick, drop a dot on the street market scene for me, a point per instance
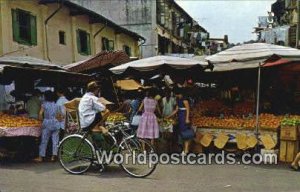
(144, 95)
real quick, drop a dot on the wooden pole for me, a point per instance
(115, 91)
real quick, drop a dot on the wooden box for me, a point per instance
(289, 133)
(288, 150)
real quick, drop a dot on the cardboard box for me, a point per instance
(288, 150)
(289, 133)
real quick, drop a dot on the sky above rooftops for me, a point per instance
(235, 18)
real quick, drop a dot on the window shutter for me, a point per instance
(78, 41)
(33, 30)
(88, 44)
(111, 45)
(15, 25)
(104, 48)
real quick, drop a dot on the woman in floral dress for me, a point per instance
(148, 127)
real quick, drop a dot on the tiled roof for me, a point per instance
(98, 61)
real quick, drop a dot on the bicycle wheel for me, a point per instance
(137, 160)
(75, 154)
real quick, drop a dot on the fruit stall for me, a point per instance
(214, 117)
(19, 76)
(13, 126)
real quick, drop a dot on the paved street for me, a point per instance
(49, 177)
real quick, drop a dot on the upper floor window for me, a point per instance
(62, 37)
(83, 42)
(161, 12)
(107, 45)
(24, 27)
(127, 50)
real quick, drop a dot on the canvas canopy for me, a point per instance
(156, 62)
(128, 85)
(251, 56)
(30, 68)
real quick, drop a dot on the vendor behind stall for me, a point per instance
(33, 105)
(168, 103)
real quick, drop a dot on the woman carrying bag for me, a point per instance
(183, 111)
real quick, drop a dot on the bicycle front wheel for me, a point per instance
(75, 154)
(137, 157)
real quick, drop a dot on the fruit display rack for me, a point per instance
(14, 126)
(215, 131)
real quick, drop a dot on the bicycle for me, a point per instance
(78, 152)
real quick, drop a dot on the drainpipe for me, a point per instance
(98, 32)
(141, 47)
(46, 26)
(298, 25)
(101, 29)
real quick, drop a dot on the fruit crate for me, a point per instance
(289, 133)
(288, 150)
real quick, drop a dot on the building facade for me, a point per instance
(216, 45)
(281, 26)
(60, 32)
(166, 27)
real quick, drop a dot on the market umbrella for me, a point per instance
(254, 55)
(159, 63)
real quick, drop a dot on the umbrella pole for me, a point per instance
(115, 92)
(257, 100)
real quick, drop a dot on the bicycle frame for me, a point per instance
(83, 149)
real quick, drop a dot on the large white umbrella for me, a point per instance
(250, 55)
(153, 63)
(254, 55)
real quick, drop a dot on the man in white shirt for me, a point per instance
(62, 110)
(90, 107)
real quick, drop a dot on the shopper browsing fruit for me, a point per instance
(62, 111)
(183, 111)
(148, 127)
(50, 126)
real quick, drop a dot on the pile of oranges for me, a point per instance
(9, 121)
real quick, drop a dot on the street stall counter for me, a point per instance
(14, 126)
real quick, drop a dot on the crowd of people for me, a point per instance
(149, 104)
(51, 111)
(152, 104)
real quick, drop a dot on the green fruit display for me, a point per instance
(115, 117)
(290, 121)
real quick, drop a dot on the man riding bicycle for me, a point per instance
(77, 152)
(90, 109)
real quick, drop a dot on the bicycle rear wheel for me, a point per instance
(137, 157)
(75, 154)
